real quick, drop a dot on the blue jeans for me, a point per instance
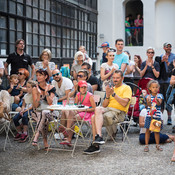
(163, 138)
(25, 119)
(170, 98)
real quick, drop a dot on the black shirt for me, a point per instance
(18, 62)
(93, 81)
(104, 59)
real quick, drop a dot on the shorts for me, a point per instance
(113, 116)
(128, 33)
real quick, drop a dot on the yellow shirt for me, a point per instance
(124, 91)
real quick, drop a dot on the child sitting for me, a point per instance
(22, 135)
(142, 101)
(15, 91)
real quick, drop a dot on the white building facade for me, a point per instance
(158, 24)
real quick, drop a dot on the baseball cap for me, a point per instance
(82, 83)
(166, 44)
(105, 44)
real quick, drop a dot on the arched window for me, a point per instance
(134, 23)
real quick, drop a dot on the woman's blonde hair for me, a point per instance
(150, 83)
(48, 52)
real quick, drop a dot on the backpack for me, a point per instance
(65, 72)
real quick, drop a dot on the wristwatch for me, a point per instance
(113, 95)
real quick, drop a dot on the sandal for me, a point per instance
(34, 143)
(159, 148)
(173, 158)
(47, 149)
(146, 149)
(66, 142)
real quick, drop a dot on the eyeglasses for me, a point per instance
(56, 74)
(150, 52)
(80, 76)
(20, 73)
(168, 46)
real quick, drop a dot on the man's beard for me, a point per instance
(58, 80)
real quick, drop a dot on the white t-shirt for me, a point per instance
(131, 63)
(143, 113)
(107, 69)
(1, 65)
(65, 85)
(28, 97)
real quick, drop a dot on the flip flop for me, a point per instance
(66, 143)
(146, 149)
(159, 148)
(173, 158)
(34, 143)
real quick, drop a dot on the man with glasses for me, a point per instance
(63, 85)
(121, 58)
(19, 59)
(166, 67)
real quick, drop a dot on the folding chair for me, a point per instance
(5, 122)
(12, 113)
(128, 123)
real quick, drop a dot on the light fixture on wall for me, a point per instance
(101, 35)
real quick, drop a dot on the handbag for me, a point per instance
(155, 128)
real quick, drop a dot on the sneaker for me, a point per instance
(92, 150)
(98, 140)
(23, 138)
(169, 122)
(17, 137)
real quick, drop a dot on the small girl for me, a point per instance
(154, 101)
(21, 136)
(85, 98)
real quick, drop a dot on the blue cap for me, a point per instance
(105, 44)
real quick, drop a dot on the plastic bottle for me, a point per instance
(55, 100)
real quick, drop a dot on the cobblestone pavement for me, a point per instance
(123, 158)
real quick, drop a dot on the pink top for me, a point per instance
(86, 101)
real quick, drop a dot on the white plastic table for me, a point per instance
(69, 108)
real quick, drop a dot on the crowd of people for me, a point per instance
(46, 83)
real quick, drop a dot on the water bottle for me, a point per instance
(55, 100)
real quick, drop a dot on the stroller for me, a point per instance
(142, 84)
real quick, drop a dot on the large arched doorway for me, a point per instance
(134, 23)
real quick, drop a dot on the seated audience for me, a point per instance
(78, 61)
(115, 105)
(85, 98)
(164, 138)
(42, 94)
(87, 58)
(107, 69)
(91, 79)
(150, 68)
(63, 85)
(22, 128)
(44, 62)
(15, 91)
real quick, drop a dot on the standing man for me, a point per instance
(63, 85)
(91, 79)
(115, 105)
(105, 47)
(164, 80)
(120, 57)
(19, 59)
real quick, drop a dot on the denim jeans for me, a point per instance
(170, 98)
(25, 119)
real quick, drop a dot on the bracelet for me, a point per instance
(152, 67)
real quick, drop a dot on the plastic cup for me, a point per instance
(64, 102)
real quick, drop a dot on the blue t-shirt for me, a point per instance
(120, 59)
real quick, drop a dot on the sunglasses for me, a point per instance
(80, 76)
(56, 74)
(150, 52)
(168, 46)
(20, 73)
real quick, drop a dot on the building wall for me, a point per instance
(158, 25)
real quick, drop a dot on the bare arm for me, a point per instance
(142, 72)
(66, 95)
(1, 72)
(33, 71)
(123, 67)
(92, 104)
(156, 73)
(141, 121)
(123, 101)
